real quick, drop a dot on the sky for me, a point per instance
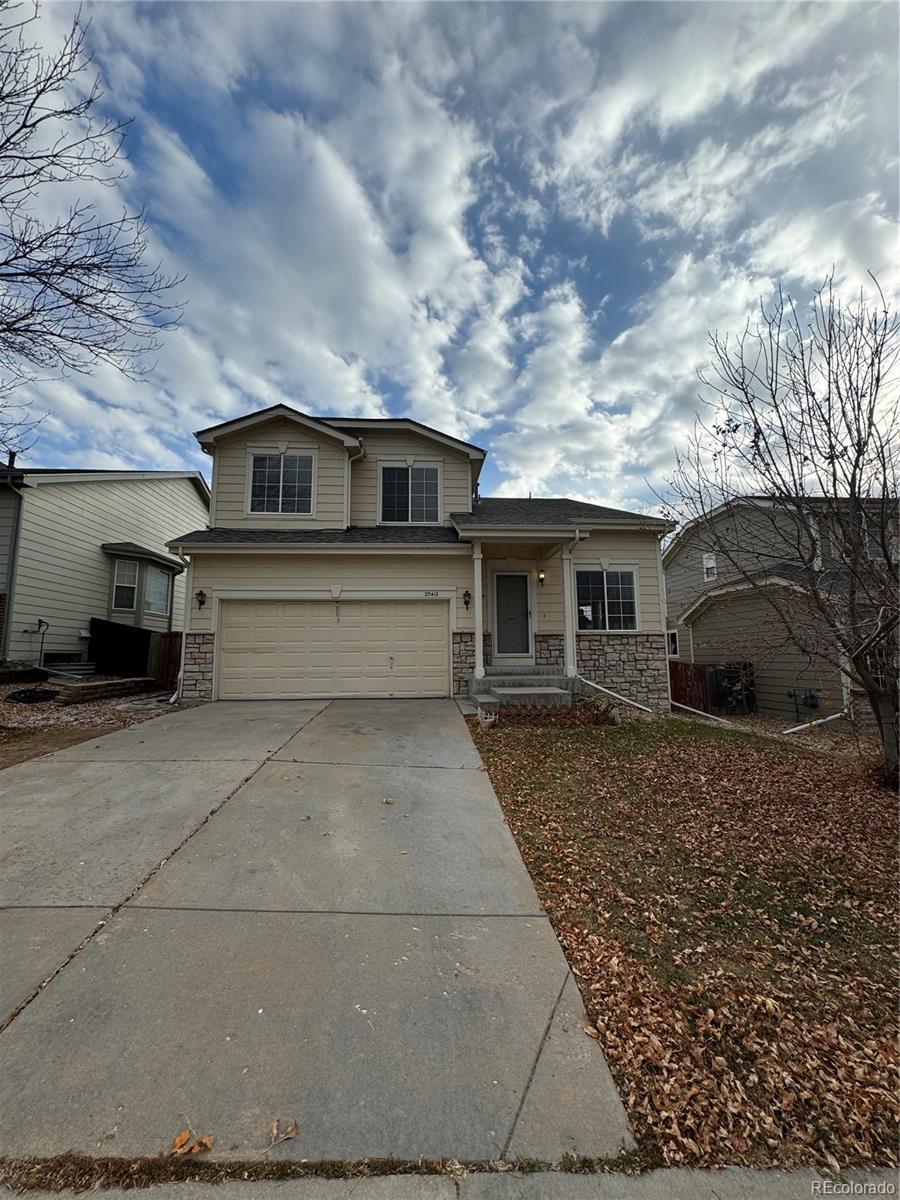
(516, 223)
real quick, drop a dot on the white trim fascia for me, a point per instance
(31, 479)
(209, 437)
(294, 450)
(704, 598)
(474, 452)
(529, 653)
(408, 464)
(429, 550)
(186, 623)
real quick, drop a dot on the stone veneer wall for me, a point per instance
(634, 664)
(463, 662)
(550, 650)
(196, 683)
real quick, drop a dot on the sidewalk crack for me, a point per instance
(534, 1066)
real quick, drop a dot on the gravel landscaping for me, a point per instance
(729, 907)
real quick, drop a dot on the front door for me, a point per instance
(512, 621)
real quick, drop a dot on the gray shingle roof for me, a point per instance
(379, 535)
(502, 511)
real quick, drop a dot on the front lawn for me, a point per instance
(729, 907)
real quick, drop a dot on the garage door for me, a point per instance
(270, 649)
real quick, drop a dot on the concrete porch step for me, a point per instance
(537, 697)
(520, 669)
(486, 703)
(527, 681)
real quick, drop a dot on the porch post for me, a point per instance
(568, 611)
(479, 632)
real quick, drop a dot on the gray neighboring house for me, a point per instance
(76, 544)
(715, 616)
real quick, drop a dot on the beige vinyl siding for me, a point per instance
(394, 446)
(283, 572)
(230, 478)
(732, 629)
(8, 501)
(63, 576)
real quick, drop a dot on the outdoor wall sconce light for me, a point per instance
(542, 575)
(467, 598)
(200, 597)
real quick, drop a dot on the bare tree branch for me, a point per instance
(801, 442)
(75, 291)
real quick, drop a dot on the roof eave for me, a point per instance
(209, 436)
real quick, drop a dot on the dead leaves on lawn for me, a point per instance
(729, 910)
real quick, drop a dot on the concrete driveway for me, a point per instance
(307, 911)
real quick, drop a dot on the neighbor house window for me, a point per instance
(710, 571)
(606, 600)
(125, 584)
(672, 638)
(157, 588)
(282, 483)
(410, 495)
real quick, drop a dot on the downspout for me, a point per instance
(351, 459)
(570, 653)
(188, 582)
(664, 617)
(11, 570)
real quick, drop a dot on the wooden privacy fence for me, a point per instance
(723, 688)
(129, 651)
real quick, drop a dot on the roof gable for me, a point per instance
(208, 437)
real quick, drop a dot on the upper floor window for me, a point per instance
(282, 483)
(710, 570)
(606, 600)
(410, 495)
(125, 584)
(157, 590)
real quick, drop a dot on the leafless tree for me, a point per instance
(800, 437)
(75, 289)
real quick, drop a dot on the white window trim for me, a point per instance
(137, 579)
(605, 565)
(381, 463)
(149, 612)
(282, 448)
(715, 567)
(673, 633)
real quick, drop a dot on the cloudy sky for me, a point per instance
(513, 222)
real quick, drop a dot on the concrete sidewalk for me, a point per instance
(382, 973)
(731, 1183)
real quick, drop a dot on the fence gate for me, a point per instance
(688, 684)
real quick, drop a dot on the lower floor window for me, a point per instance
(672, 638)
(156, 591)
(606, 600)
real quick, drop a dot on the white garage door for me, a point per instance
(269, 649)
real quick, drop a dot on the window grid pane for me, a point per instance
(125, 584)
(156, 592)
(395, 494)
(621, 610)
(423, 503)
(591, 604)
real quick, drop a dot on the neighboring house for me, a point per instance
(82, 544)
(350, 557)
(716, 616)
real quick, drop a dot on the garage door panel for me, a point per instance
(320, 648)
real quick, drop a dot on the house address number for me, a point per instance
(432, 592)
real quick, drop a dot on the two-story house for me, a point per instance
(718, 613)
(77, 544)
(353, 557)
